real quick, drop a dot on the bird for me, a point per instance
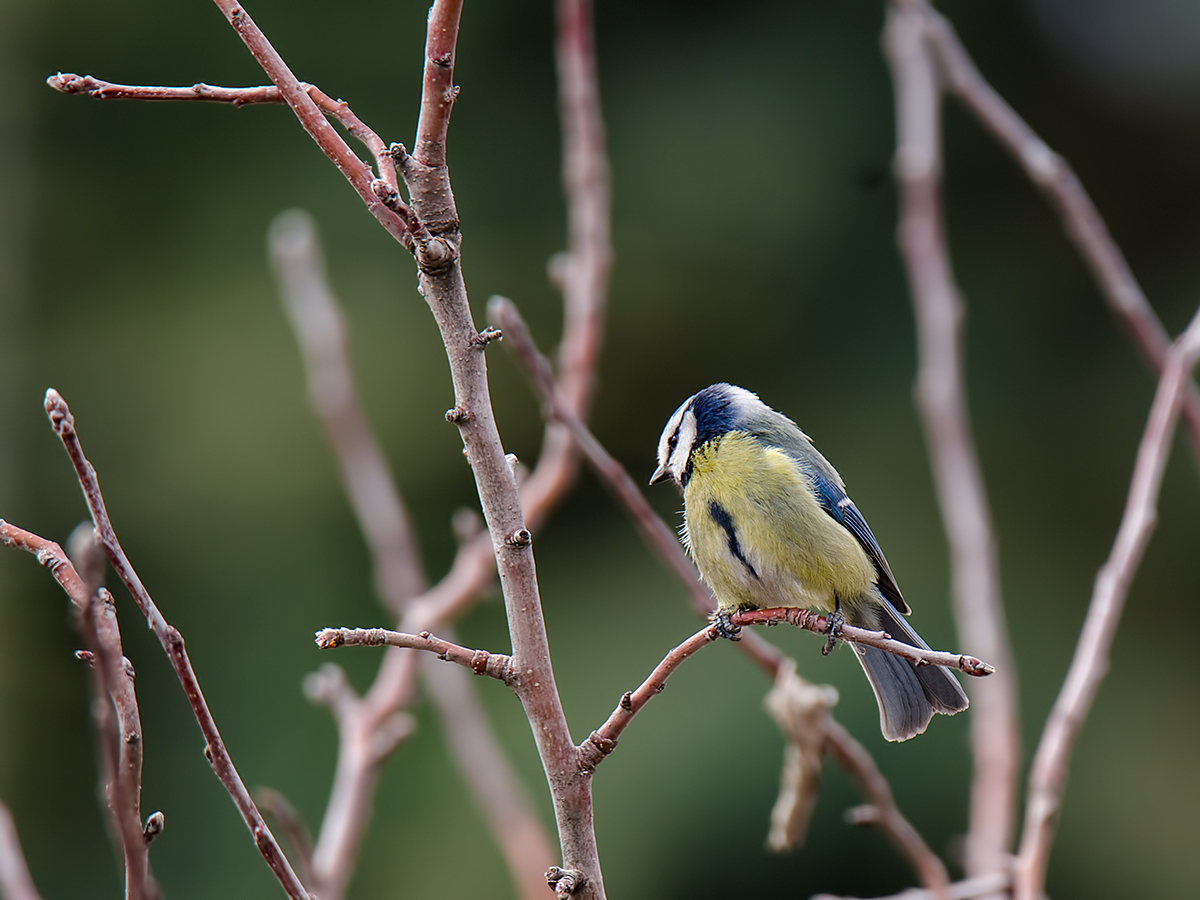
(768, 523)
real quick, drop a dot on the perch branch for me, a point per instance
(1053, 176)
(172, 642)
(660, 538)
(941, 399)
(15, 881)
(1048, 775)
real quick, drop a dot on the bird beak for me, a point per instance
(661, 474)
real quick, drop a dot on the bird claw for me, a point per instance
(724, 627)
(834, 630)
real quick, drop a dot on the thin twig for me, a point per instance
(481, 662)
(941, 399)
(819, 624)
(1089, 665)
(115, 709)
(172, 642)
(394, 216)
(15, 880)
(1053, 176)
(288, 819)
(118, 724)
(603, 740)
(70, 83)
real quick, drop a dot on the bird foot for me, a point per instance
(724, 627)
(834, 630)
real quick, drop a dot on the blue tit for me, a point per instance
(768, 523)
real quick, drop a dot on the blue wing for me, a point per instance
(841, 508)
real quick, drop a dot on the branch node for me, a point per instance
(479, 661)
(435, 255)
(155, 823)
(519, 538)
(627, 700)
(443, 60)
(457, 415)
(565, 882)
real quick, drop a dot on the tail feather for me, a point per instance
(907, 695)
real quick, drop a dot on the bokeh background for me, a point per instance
(754, 233)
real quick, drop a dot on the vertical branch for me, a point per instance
(1047, 779)
(442, 286)
(941, 398)
(370, 727)
(15, 881)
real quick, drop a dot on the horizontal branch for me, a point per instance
(481, 662)
(70, 83)
(819, 624)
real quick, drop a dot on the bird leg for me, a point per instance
(834, 628)
(725, 628)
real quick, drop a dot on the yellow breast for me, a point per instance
(758, 535)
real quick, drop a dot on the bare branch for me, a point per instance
(1053, 176)
(396, 219)
(941, 399)
(115, 705)
(321, 334)
(291, 823)
(15, 881)
(819, 624)
(367, 727)
(172, 642)
(481, 662)
(70, 83)
(603, 740)
(115, 710)
(1048, 775)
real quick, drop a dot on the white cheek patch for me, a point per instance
(683, 445)
(664, 442)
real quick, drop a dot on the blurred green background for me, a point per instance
(754, 231)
